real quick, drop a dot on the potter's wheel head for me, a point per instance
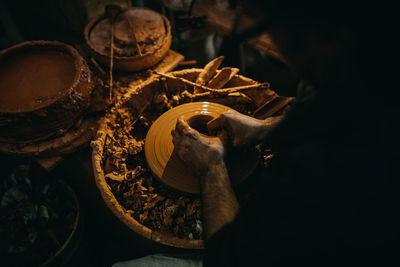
(169, 169)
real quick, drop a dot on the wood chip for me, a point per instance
(222, 77)
(208, 71)
(271, 107)
(219, 92)
(115, 177)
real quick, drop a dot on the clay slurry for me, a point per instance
(31, 80)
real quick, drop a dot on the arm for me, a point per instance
(206, 158)
(220, 205)
(244, 130)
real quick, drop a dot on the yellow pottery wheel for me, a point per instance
(170, 170)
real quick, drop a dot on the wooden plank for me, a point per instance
(170, 62)
(49, 163)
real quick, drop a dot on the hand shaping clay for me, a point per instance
(166, 165)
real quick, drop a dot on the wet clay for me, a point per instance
(33, 79)
(199, 123)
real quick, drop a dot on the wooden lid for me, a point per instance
(135, 29)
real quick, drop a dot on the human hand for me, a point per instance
(205, 156)
(243, 130)
(197, 151)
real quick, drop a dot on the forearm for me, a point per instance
(220, 204)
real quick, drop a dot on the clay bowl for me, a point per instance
(130, 63)
(45, 86)
(134, 101)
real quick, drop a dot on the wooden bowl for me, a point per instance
(129, 63)
(45, 86)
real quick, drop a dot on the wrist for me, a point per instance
(220, 204)
(216, 173)
(269, 124)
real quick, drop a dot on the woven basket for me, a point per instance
(136, 99)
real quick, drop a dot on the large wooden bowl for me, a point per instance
(135, 101)
(129, 63)
(43, 110)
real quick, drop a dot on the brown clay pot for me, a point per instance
(129, 63)
(45, 87)
(135, 100)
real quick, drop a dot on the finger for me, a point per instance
(223, 136)
(176, 137)
(184, 129)
(181, 126)
(216, 123)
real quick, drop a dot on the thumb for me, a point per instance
(223, 136)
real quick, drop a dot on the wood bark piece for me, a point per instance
(131, 25)
(229, 99)
(222, 77)
(208, 71)
(112, 11)
(271, 107)
(209, 90)
(99, 68)
(188, 62)
(49, 163)
(111, 57)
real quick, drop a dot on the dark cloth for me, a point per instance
(330, 197)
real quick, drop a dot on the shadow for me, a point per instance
(241, 163)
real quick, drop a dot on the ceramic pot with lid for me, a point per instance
(142, 38)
